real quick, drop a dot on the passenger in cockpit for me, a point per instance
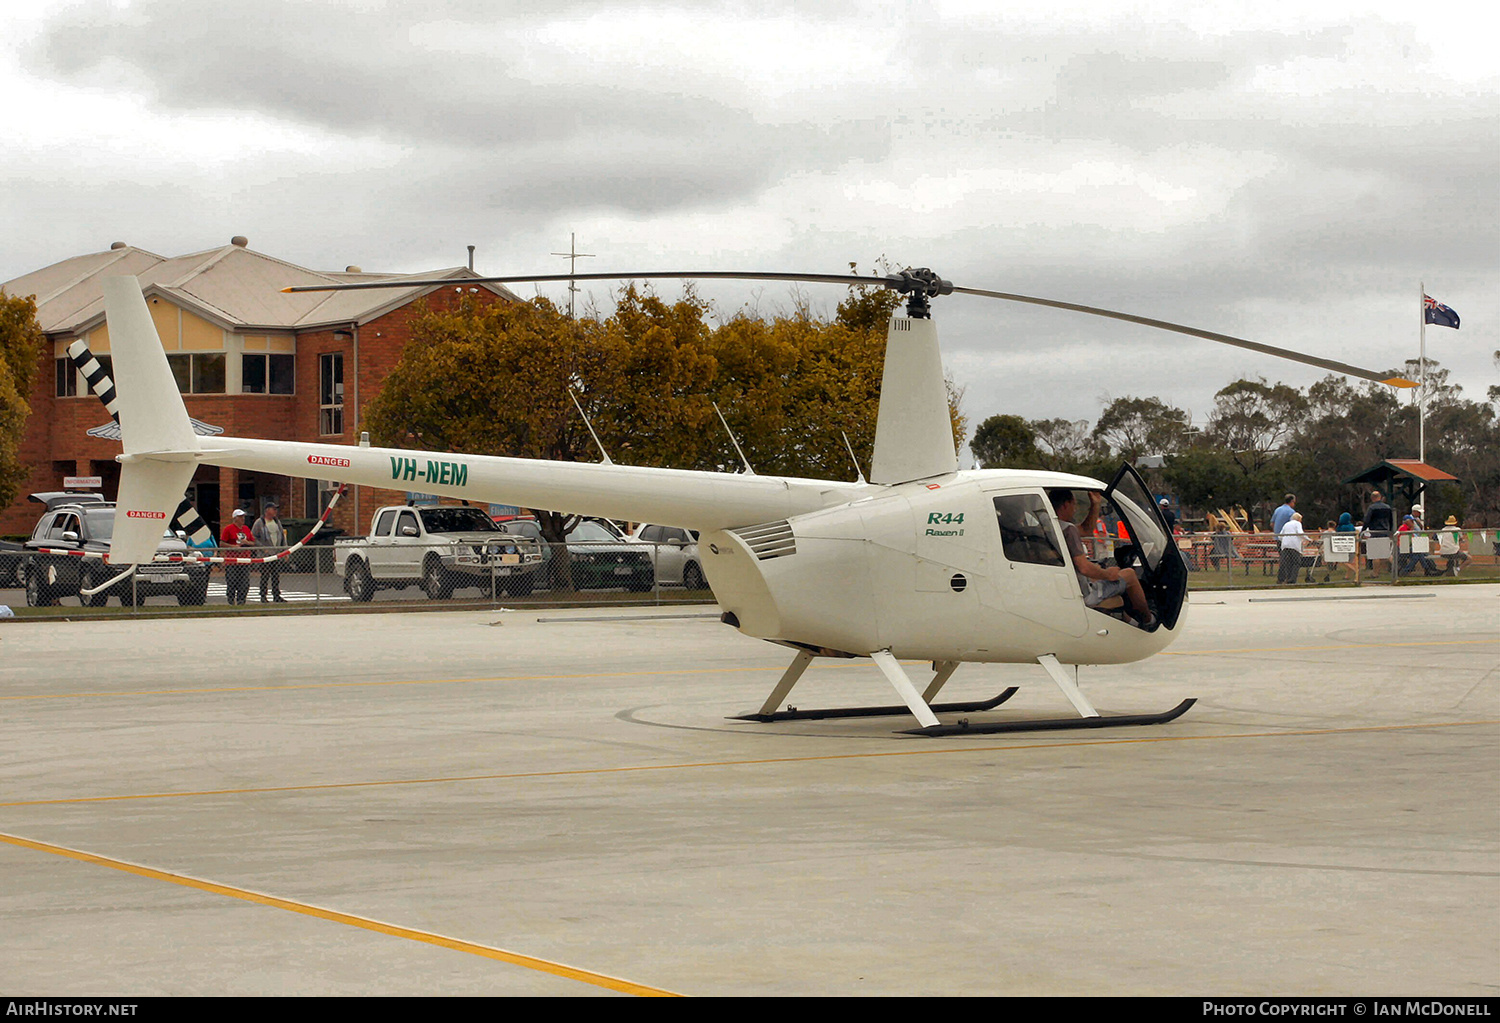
(1098, 584)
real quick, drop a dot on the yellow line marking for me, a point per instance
(659, 672)
(761, 761)
(1330, 646)
(396, 682)
(348, 919)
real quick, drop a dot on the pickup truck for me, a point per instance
(441, 548)
(86, 523)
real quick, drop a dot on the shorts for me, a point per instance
(1100, 590)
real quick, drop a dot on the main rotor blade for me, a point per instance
(904, 282)
(1238, 342)
(733, 275)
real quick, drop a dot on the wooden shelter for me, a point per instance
(1406, 476)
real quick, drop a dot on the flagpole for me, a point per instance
(1422, 380)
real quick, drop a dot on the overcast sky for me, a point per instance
(1248, 168)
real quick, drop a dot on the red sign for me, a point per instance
(145, 515)
(325, 460)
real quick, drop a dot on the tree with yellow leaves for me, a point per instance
(20, 347)
(494, 380)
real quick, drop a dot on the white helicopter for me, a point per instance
(919, 562)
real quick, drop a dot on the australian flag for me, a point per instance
(1436, 312)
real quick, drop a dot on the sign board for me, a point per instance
(421, 500)
(1339, 547)
(82, 482)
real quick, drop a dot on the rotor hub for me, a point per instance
(918, 284)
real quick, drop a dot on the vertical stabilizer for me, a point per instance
(152, 416)
(160, 446)
(914, 434)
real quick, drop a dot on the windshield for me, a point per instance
(589, 531)
(458, 520)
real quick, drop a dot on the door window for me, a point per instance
(1027, 534)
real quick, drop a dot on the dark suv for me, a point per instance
(86, 523)
(598, 556)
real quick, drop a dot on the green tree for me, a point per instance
(1133, 427)
(21, 342)
(494, 380)
(1005, 442)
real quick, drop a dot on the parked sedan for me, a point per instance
(675, 553)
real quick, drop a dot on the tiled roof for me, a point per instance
(234, 286)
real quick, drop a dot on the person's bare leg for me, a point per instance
(1135, 594)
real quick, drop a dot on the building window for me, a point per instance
(201, 373)
(331, 393)
(67, 379)
(267, 374)
(317, 496)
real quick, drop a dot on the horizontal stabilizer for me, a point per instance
(150, 493)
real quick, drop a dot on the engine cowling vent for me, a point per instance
(769, 540)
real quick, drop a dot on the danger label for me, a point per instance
(132, 514)
(326, 460)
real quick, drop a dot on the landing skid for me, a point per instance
(793, 714)
(920, 705)
(1052, 724)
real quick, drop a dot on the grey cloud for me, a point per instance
(358, 76)
(346, 72)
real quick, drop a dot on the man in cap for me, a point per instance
(1168, 515)
(236, 577)
(270, 536)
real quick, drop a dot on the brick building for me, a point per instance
(248, 358)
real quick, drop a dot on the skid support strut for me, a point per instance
(1068, 683)
(943, 671)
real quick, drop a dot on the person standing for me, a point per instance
(1380, 521)
(1346, 525)
(1281, 516)
(236, 577)
(1168, 515)
(1291, 535)
(270, 536)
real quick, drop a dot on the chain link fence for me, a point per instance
(1260, 560)
(502, 571)
(506, 571)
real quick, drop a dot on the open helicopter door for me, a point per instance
(1151, 552)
